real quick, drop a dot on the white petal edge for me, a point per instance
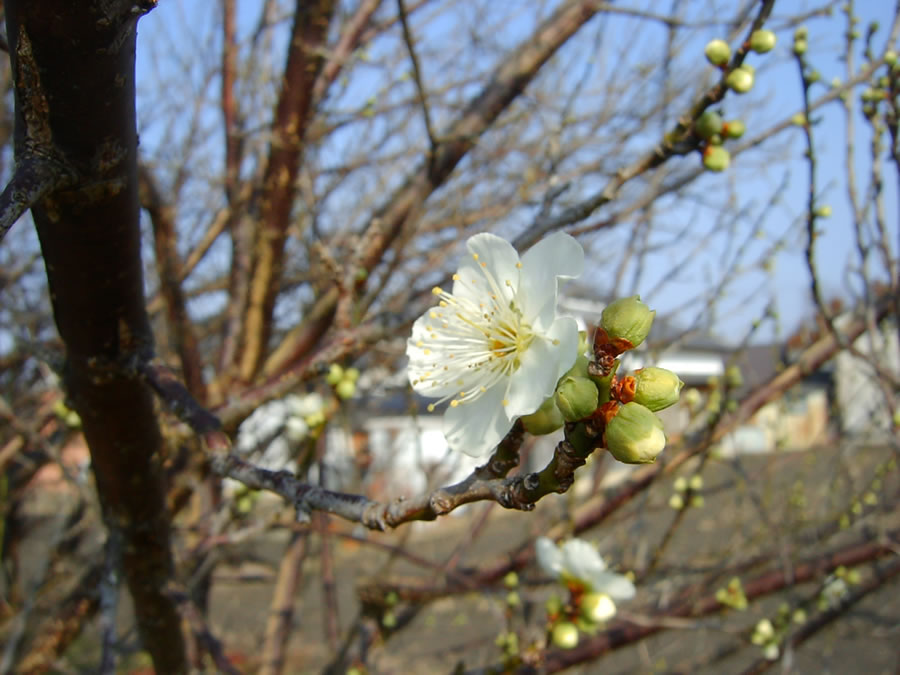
(558, 256)
(616, 586)
(535, 378)
(549, 557)
(497, 257)
(478, 427)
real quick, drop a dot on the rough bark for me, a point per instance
(73, 65)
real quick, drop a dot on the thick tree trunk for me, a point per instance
(73, 64)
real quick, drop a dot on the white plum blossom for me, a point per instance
(578, 563)
(495, 347)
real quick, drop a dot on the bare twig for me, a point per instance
(34, 177)
(281, 611)
(417, 78)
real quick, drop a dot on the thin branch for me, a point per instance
(109, 602)
(622, 633)
(681, 140)
(281, 610)
(168, 264)
(417, 78)
(879, 579)
(292, 116)
(388, 224)
(35, 176)
(353, 34)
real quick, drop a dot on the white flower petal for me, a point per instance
(536, 377)
(549, 557)
(557, 256)
(581, 560)
(616, 586)
(477, 427)
(491, 268)
(425, 364)
(479, 345)
(565, 331)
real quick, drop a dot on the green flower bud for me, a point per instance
(565, 635)
(734, 378)
(718, 52)
(762, 41)
(553, 605)
(345, 389)
(734, 129)
(635, 435)
(513, 599)
(335, 374)
(579, 368)
(511, 580)
(890, 57)
(627, 319)
(740, 80)
(389, 620)
(577, 398)
(583, 342)
(544, 420)
(708, 124)
(597, 607)
(656, 388)
(823, 211)
(351, 374)
(716, 158)
(693, 397)
(676, 502)
(315, 419)
(715, 139)
(801, 33)
(798, 119)
(814, 76)
(800, 47)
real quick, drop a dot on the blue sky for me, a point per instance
(168, 36)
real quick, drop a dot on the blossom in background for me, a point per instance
(495, 347)
(577, 563)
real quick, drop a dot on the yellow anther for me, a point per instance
(436, 290)
(454, 403)
(475, 256)
(431, 407)
(518, 265)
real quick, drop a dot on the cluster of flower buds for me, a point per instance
(343, 381)
(710, 126)
(305, 416)
(619, 412)
(733, 595)
(883, 86)
(633, 433)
